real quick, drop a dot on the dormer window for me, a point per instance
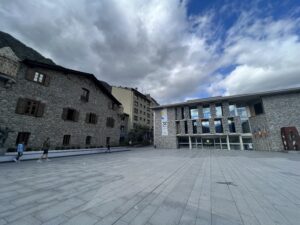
(85, 95)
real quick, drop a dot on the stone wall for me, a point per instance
(281, 111)
(169, 141)
(64, 91)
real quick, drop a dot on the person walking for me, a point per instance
(20, 150)
(45, 148)
(108, 148)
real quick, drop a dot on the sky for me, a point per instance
(173, 49)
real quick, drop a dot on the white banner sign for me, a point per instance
(164, 122)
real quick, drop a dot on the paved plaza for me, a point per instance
(154, 187)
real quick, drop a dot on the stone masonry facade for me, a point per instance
(64, 90)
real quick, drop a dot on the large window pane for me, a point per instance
(245, 126)
(232, 110)
(218, 126)
(205, 126)
(242, 112)
(206, 112)
(231, 125)
(194, 126)
(219, 112)
(193, 113)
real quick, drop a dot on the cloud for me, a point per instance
(156, 46)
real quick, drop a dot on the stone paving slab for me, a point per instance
(154, 187)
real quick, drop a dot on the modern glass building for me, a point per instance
(240, 122)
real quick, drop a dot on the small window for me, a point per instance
(148, 121)
(148, 115)
(122, 128)
(39, 77)
(219, 111)
(232, 110)
(135, 118)
(91, 118)
(136, 110)
(23, 137)
(85, 95)
(193, 112)
(66, 140)
(136, 103)
(70, 114)
(258, 108)
(88, 140)
(110, 122)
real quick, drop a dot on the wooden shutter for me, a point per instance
(64, 113)
(30, 74)
(21, 106)
(40, 110)
(76, 116)
(46, 80)
(87, 117)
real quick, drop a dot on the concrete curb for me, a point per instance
(8, 157)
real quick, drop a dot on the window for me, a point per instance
(232, 110)
(110, 122)
(148, 121)
(193, 113)
(23, 137)
(30, 107)
(206, 112)
(258, 108)
(144, 113)
(85, 95)
(135, 118)
(218, 126)
(231, 125)
(70, 114)
(176, 116)
(122, 128)
(185, 127)
(136, 110)
(66, 139)
(88, 140)
(205, 126)
(245, 125)
(136, 103)
(194, 123)
(148, 115)
(242, 111)
(178, 129)
(91, 118)
(141, 112)
(219, 111)
(37, 77)
(182, 112)
(141, 118)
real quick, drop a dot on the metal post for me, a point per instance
(190, 142)
(228, 145)
(241, 142)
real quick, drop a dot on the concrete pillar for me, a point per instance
(190, 142)
(221, 146)
(228, 145)
(241, 142)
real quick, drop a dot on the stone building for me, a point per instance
(241, 122)
(40, 100)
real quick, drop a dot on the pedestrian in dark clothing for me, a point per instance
(45, 149)
(108, 148)
(20, 150)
